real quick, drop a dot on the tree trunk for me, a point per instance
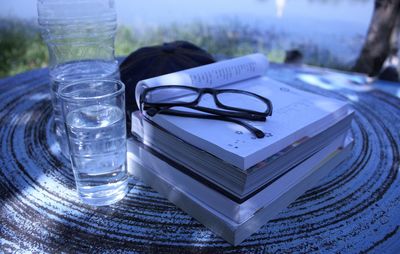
(377, 44)
(395, 37)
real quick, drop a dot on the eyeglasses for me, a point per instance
(233, 104)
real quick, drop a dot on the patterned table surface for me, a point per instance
(355, 209)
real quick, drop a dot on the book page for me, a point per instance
(211, 75)
(297, 114)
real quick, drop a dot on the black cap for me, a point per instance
(148, 62)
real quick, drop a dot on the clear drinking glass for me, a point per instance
(94, 116)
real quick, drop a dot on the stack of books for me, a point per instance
(218, 172)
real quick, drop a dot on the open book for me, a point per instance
(297, 114)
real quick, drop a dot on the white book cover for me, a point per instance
(296, 114)
(232, 231)
(238, 212)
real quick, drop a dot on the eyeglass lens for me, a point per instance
(242, 101)
(185, 95)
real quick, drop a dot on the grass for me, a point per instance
(220, 40)
(22, 48)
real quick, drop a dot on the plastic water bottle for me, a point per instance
(80, 38)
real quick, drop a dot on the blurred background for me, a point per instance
(329, 33)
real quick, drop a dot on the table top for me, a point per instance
(354, 209)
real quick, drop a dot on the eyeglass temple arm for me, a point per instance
(237, 114)
(257, 132)
(152, 111)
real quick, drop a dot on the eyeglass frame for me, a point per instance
(248, 114)
(221, 115)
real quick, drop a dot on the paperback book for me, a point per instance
(232, 221)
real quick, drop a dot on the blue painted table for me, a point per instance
(355, 209)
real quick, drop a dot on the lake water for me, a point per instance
(338, 25)
(304, 16)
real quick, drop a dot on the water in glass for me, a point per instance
(97, 136)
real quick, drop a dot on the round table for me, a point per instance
(355, 209)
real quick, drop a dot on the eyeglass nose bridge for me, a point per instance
(207, 90)
(204, 91)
